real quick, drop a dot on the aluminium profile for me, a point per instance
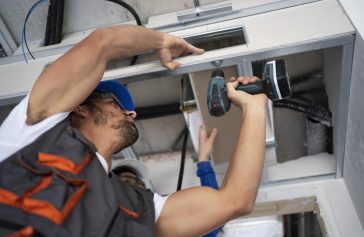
(6, 40)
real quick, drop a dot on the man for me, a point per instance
(55, 181)
(134, 172)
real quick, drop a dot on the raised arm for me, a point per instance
(71, 78)
(195, 211)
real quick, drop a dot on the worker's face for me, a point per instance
(107, 114)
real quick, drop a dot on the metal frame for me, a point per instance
(346, 65)
(244, 66)
(240, 56)
(6, 40)
(243, 62)
(155, 70)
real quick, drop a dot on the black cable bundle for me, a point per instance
(136, 16)
(54, 26)
(48, 26)
(308, 85)
(59, 20)
(314, 111)
(183, 159)
(25, 24)
(129, 8)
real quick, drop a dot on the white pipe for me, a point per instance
(6, 40)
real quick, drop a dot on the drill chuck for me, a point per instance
(218, 73)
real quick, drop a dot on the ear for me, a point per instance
(81, 111)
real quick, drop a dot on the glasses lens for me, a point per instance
(105, 95)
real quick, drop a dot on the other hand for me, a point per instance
(206, 144)
(175, 47)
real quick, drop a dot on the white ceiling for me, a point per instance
(158, 134)
(83, 14)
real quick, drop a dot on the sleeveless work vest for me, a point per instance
(57, 187)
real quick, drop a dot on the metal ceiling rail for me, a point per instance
(229, 56)
(321, 24)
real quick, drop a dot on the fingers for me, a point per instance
(246, 80)
(202, 134)
(231, 85)
(233, 82)
(213, 135)
(194, 50)
(241, 98)
(206, 144)
(175, 47)
(210, 138)
(172, 65)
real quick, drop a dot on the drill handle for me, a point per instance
(253, 88)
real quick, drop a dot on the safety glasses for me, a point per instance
(97, 94)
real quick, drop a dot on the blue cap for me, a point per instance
(119, 91)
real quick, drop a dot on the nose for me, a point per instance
(133, 114)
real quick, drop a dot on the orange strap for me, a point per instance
(62, 163)
(129, 212)
(42, 185)
(41, 207)
(25, 232)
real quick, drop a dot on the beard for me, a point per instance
(127, 131)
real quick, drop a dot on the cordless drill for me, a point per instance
(275, 84)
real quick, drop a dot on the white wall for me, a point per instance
(354, 9)
(354, 147)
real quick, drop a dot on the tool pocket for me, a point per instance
(44, 192)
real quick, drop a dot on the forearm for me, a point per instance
(78, 71)
(242, 179)
(88, 59)
(135, 39)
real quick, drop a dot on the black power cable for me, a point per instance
(48, 26)
(59, 21)
(137, 19)
(54, 10)
(25, 24)
(313, 111)
(129, 8)
(183, 158)
(53, 34)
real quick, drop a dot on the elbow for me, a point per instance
(100, 39)
(248, 208)
(99, 36)
(239, 203)
(243, 208)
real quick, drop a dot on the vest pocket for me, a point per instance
(46, 193)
